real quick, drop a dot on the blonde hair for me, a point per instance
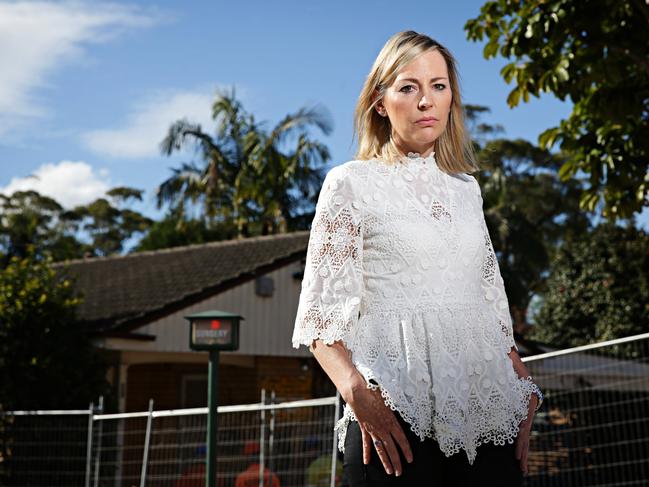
(454, 151)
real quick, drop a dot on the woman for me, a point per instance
(402, 301)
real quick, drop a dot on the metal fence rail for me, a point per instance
(47, 447)
(593, 426)
(592, 429)
(167, 448)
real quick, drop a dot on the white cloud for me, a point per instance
(37, 38)
(68, 182)
(148, 123)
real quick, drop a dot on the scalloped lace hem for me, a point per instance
(497, 429)
(306, 337)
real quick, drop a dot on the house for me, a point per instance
(135, 306)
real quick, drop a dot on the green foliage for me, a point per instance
(595, 53)
(46, 358)
(31, 220)
(598, 288)
(108, 225)
(175, 230)
(259, 181)
(528, 211)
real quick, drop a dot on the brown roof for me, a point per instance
(126, 291)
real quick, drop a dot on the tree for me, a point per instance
(175, 230)
(30, 219)
(248, 177)
(528, 210)
(595, 53)
(108, 225)
(598, 288)
(46, 360)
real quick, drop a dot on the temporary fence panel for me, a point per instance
(593, 426)
(592, 429)
(47, 448)
(167, 448)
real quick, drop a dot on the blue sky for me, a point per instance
(88, 89)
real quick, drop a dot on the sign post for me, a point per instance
(213, 331)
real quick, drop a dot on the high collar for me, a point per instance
(417, 159)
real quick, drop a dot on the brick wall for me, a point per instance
(291, 378)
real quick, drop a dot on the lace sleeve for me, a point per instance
(332, 285)
(494, 285)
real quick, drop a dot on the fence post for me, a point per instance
(271, 431)
(147, 442)
(334, 451)
(100, 426)
(89, 445)
(261, 439)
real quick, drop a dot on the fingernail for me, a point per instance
(398, 473)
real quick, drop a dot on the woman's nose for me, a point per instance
(426, 100)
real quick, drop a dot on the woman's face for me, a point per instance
(420, 91)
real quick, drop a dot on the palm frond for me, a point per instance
(297, 122)
(186, 183)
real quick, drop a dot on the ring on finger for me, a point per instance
(378, 443)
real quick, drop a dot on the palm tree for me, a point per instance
(247, 176)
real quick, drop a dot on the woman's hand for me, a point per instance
(378, 422)
(523, 438)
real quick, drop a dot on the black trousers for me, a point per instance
(494, 465)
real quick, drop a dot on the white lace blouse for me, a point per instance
(401, 268)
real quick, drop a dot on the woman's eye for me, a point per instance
(406, 89)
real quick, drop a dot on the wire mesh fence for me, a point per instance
(593, 426)
(46, 447)
(293, 442)
(592, 429)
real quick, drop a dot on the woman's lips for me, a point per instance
(427, 122)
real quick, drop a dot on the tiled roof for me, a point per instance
(129, 290)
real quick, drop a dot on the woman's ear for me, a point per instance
(378, 106)
(380, 109)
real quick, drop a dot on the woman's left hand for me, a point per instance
(523, 438)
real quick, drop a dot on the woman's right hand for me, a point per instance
(378, 422)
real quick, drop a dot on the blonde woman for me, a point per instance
(402, 301)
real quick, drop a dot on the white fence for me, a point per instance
(593, 427)
(167, 448)
(592, 430)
